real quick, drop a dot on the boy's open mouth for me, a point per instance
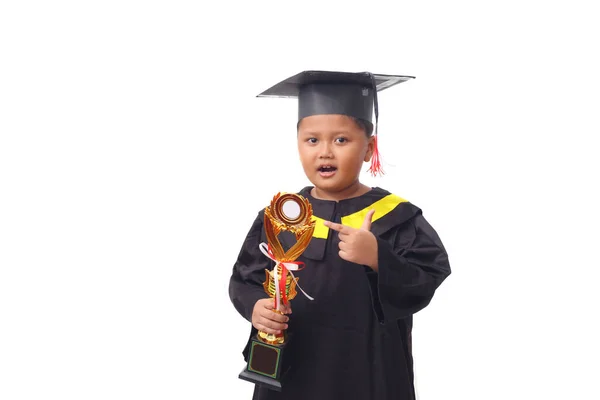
(326, 171)
(327, 168)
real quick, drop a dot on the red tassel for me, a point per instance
(375, 160)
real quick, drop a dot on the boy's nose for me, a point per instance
(325, 151)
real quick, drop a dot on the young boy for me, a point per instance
(372, 263)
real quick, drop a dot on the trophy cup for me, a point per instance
(267, 364)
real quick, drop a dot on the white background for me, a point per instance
(134, 156)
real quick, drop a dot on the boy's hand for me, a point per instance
(357, 245)
(265, 318)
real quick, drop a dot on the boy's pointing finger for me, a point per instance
(336, 227)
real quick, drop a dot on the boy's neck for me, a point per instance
(354, 190)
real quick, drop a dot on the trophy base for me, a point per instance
(267, 365)
(261, 380)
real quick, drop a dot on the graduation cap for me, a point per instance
(348, 93)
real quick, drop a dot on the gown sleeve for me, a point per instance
(412, 263)
(246, 282)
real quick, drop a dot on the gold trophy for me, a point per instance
(290, 212)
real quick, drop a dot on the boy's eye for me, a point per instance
(341, 140)
(312, 140)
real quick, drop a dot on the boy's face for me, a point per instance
(332, 150)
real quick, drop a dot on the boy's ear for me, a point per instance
(370, 148)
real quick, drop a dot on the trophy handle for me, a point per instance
(269, 287)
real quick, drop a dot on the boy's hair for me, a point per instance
(365, 126)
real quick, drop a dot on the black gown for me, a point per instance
(353, 341)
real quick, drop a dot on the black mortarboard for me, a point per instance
(330, 92)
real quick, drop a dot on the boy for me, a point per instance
(372, 263)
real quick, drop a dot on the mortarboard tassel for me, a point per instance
(375, 161)
(376, 158)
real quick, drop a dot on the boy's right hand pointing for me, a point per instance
(265, 318)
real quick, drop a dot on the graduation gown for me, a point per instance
(353, 341)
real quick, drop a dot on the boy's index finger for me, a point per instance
(336, 227)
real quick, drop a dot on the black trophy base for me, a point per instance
(261, 380)
(267, 364)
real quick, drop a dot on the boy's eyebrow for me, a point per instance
(314, 133)
(339, 133)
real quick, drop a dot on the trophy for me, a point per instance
(267, 364)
